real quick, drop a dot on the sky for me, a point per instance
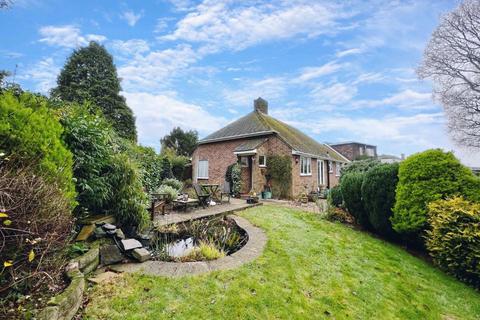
(337, 70)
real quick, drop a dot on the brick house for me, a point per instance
(355, 150)
(251, 139)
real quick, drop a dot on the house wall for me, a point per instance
(353, 151)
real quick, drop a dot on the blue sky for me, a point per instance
(336, 70)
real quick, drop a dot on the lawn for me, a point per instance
(311, 268)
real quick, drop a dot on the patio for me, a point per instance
(216, 210)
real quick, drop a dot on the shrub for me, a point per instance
(35, 223)
(174, 183)
(166, 169)
(30, 132)
(150, 165)
(359, 166)
(178, 166)
(378, 194)
(128, 202)
(425, 177)
(337, 214)
(454, 238)
(171, 192)
(279, 171)
(335, 197)
(351, 188)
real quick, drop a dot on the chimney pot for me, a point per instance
(260, 105)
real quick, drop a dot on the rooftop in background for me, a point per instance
(351, 142)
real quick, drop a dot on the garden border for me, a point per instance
(257, 240)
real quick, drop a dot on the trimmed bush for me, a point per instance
(351, 188)
(425, 177)
(171, 192)
(31, 133)
(359, 166)
(335, 197)
(454, 238)
(174, 183)
(234, 177)
(279, 171)
(378, 194)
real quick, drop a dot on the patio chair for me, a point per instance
(202, 196)
(158, 201)
(225, 191)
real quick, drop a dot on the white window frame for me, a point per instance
(199, 170)
(338, 165)
(264, 164)
(330, 166)
(305, 166)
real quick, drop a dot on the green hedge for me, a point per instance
(454, 238)
(423, 178)
(335, 197)
(351, 187)
(378, 194)
(279, 172)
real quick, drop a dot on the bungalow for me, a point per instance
(251, 139)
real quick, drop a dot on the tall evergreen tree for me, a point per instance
(90, 75)
(182, 142)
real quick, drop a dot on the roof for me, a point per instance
(257, 124)
(250, 145)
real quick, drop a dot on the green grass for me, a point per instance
(310, 268)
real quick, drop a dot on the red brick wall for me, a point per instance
(349, 151)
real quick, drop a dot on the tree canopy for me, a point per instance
(182, 142)
(90, 75)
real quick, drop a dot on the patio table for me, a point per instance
(212, 189)
(185, 203)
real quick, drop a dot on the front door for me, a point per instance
(320, 173)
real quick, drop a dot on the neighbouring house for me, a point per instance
(254, 137)
(355, 150)
(388, 158)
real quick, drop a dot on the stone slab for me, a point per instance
(85, 233)
(141, 254)
(110, 254)
(130, 244)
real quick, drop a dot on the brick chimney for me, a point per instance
(260, 105)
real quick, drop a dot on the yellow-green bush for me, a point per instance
(454, 238)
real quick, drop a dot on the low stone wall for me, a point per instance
(65, 305)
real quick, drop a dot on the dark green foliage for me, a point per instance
(128, 202)
(166, 169)
(182, 142)
(360, 166)
(378, 194)
(90, 138)
(453, 240)
(150, 165)
(351, 187)
(335, 197)
(425, 177)
(279, 172)
(90, 75)
(233, 177)
(31, 133)
(178, 166)
(174, 183)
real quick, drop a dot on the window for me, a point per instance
(370, 152)
(338, 165)
(321, 175)
(330, 167)
(262, 161)
(202, 169)
(305, 166)
(244, 161)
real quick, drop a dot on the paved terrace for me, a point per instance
(211, 211)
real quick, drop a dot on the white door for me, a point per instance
(320, 172)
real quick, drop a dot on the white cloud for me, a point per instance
(154, 69)
(157, 114)
(348, 52)
(269, 88)
(131, 17)
(68, 36)
(130, 47)
(218, 25)
(337, 93)
(406, 99)
(44, 74)
(182, 5)
(310, 73)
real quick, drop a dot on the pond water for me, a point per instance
(180, 242)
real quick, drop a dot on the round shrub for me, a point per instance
(335, 197)
(378, 194)
(425, 177)
(171, 192)
(454, 238)
(31, 133)
(174, 183)
(351, 188)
